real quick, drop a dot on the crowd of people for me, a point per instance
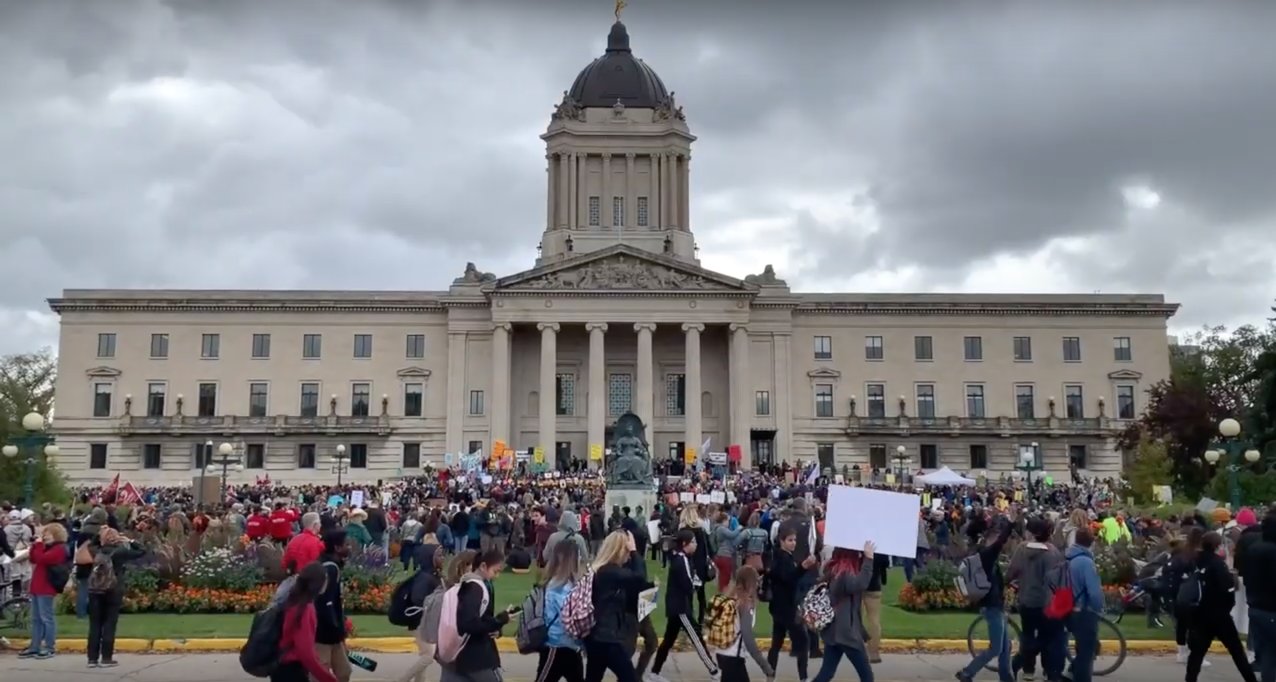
(758, 535)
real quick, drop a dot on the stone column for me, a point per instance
(573, 192)
(550, 189)
(631, 201)
(596, 418)
(548, 434)
(457, 401)
(675, 206)
(741, 393)
(500, 400)
(564, 190)
(781, 403)
(684, 191)
(694, 430)
(657, 209)
(605, 201)
(582, 192)
(642, 382)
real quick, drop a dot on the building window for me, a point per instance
(620, 394)
(106, 345)
(306, 456)
(1024, 402)
(255, 456)
(642, 211)
(824, 400)
(762, 403)
(1023, 348)
(877, 456)
(411, 455)
(358, 455)
(594, 211)
(873, 349)
(97, 455)
(310, 400)
(823, 348)
(201, 453)
(1121, 351)
(156, 399)
(565, 395)
(926, 401)
(159, 346)
(763, 453)
(151, 455)
(617, 211)
(207, 400)
(413, 400)
(416, 346)
(258, 399)
(363, 345)
(476, 403)
(876, 401)
(311, 346)
(477, 446)
(1077, 456)
(261, 346)
(975, 401)
(210, 346)
(1073, 402)
(102, 400)
(923, 348)
(1125, 402)
(824, 454)
(360, 399)
(1072, 349)
(675, 395)
(973, 347)
(978, 456)
(930, 455)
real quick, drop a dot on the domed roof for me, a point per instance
(618, 76)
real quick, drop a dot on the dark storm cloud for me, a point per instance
(382, 144)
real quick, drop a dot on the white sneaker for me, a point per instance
(1181, 656)
(653, 677)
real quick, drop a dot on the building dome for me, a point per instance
(618, 76)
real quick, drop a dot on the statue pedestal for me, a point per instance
(632, 497)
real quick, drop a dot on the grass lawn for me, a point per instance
(511, 588)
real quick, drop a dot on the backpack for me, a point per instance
(1059, 582)
(450, 640)
(816, 610)
(404, 610)
(59, 575)
(578, 610)
(102, 578)
(260, 654)
(431, 610)
(972, 580)
(1191, 591)
(722, 624)
(533, 629)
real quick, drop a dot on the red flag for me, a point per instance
(128, 495)
(108, 495)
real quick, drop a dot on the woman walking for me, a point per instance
(753, 544)
(724, 557)
(106, 593)
(683, 582)
(618, 580)
(299, 662)
(478, 621)
(744, 591)
(785, 574)
(1181, 566)
(847, 576)
(49, 574)
(430, 580)
(690, 521)
(1213, 617)
(561, 657)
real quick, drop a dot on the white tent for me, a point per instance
(944, 476)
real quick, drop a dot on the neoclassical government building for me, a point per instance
(616, 314)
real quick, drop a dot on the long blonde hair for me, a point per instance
(458, 566)
(565, 565)
(615, 550)
(690, 517)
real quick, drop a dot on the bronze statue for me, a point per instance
(629, 462)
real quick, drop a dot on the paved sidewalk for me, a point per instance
(681, 667)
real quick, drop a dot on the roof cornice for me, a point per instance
(982, 308)
(210, 302)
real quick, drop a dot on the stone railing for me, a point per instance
(277, 425)
(1002, 426)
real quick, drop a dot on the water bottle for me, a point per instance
(362, 661)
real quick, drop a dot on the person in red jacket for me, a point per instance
(49, 574)
(305, 548)
(280, 524)
(299, 661)
(257, 526)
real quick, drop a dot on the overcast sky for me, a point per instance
(904, 146)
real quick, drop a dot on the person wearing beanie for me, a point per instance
(1251, 533)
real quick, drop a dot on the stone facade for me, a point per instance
(616, 314)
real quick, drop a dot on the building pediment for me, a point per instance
(1125, 375)
(103, 372)
(824, 373)
(414, 372)
(621, 268)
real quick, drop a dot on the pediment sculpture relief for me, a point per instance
(621, 273)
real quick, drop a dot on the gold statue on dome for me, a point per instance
(620, 7)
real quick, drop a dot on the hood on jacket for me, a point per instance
(1078, 550)
(1269, 528)
(569, 521)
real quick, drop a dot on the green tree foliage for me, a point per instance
(1258, 488)
(1151, 467)
(26, 385)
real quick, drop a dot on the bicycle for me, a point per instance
(977, 640)
(15, 608)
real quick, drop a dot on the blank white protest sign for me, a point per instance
(857, 515)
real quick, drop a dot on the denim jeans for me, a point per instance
(44, 630)
(833, 654)
(459, 542)
(1084, 626)
(1041, 636)
(82, 598)
(1262, 628)
(998, 645)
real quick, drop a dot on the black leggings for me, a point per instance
(557, 663)
(733, 669)
(682, 623)
(650, 640)
(1180, 627)
(1203, 634)
(801, 645)
(604, 656)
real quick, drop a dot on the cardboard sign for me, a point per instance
(889, 519)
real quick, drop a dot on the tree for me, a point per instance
(1151, 467)
(26, 385)
(1223, 364)
(1181, 414)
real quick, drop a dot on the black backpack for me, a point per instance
(1191, 591)
(59, 575)
(405, 611)
(260, 655)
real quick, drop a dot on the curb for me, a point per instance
(506, 645)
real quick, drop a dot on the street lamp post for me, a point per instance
(901, 463)
(29, 445)
(339, 465)
(1234, 448)
(206, 456)
(226, 459)
(1029, 461)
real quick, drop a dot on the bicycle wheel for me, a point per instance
(1111, 651)
(15, 616)
(977, 640)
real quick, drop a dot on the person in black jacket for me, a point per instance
(683, 583)
(619, 577)
(1213, 617)
(786, 573)
(330, 614)
(1180, 566)
(993, 604)
(689, 520)
(479, 659)
(1259, 574)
